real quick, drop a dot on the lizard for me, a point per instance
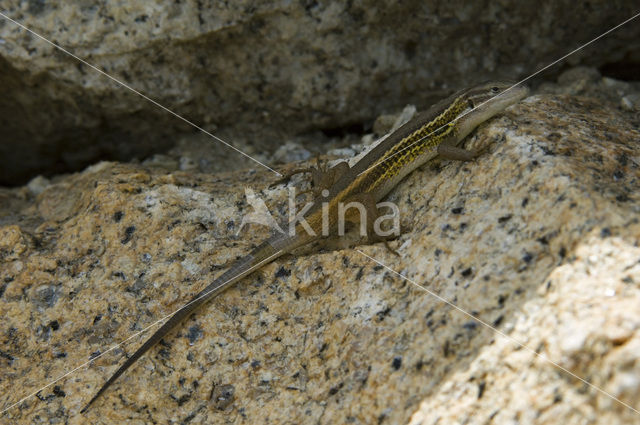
(436, 132)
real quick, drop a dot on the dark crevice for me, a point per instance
(623, 70)
(356, 128)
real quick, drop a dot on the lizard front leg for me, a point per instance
(448, 150)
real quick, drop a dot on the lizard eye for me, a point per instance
(495, 89)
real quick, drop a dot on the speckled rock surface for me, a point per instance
(258, 72)
(585, 320)
(538, 237)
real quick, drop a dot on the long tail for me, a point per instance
(263, 254)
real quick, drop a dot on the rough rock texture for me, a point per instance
(259, 72)
(585, 320)
(539, 238)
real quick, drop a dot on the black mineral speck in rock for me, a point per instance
(396, 363)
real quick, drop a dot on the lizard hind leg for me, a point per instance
(368, 201)
(300, 170)
(287, 176)
(323, 178)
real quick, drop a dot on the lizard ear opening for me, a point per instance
(470, 103)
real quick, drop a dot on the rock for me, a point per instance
(291, 152)
(538, 238)
(584, 81)
(38, 184)
(260, 72)
(583, 319)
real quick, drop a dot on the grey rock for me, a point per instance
(259, 72)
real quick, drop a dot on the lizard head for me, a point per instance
(498, 94)
(484, 101)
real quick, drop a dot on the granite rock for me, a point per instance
(259, 72)
(537, 238)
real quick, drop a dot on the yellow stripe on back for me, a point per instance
(424, 139)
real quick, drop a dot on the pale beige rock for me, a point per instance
(538, 237)
(584, 319)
